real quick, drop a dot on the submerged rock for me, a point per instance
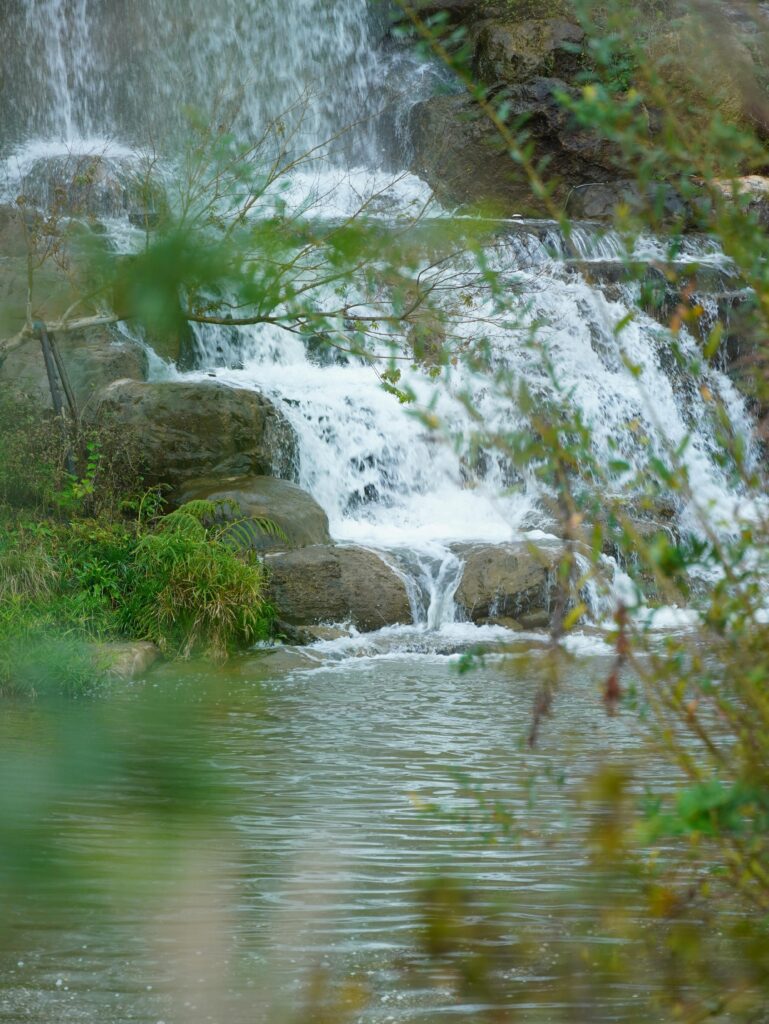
(191, 429)
(300, 518)
(324, 584)
(507, 581)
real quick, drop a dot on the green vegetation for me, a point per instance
(85, 558)
(91, 558)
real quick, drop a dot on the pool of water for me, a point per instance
(249, 843)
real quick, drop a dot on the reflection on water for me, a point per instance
(308, 855)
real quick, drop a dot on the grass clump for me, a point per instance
(192, 591)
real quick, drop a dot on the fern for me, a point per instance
(241, 534)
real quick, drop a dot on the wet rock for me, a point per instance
(93, 185)
(57, 280)
(93, 359)
(127, 660)
(505, 622)
(323, 584)
(507, 581)
(751, 191)
(429, 8)
(15, 228)
(621, 540)
(305, 636)
(300, 518)
(462, 157)
(194, 429)
(515, 51)
(601, 200)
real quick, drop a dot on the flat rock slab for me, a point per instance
(324, 584)
(128, 660)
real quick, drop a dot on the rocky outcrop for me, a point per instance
(515, 52)
(54, 289)
(337, 584)
(93, 186)
(600, 200)
(192, 429)
(93, 359)
(751, 191)
(507, 582)
(302, 521)
(462, 156)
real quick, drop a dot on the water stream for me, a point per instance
(310, 862)
(315, 860)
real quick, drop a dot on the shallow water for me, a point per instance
(172, 901)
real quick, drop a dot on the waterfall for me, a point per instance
(124, 73)
(76, 70)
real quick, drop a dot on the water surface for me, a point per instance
(307, 859)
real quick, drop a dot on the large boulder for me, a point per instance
(301, 519)
(93, 359)
(459, 152)
(191, 429)
(337, 584)
(602, 200)
(510, 581)
(515, 51)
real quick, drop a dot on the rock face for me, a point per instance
(93, 359)
(508, 581)
(600, 200)
(79, 185)
(191, 429)
(461, 155)
(337, 584)
(515, 52)
(53, 292)
(297, 513)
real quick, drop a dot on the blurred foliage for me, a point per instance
(684, 105)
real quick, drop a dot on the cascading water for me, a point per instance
(86, 69)
(125, 73)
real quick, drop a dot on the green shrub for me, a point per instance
(191, 591)
(180, 581)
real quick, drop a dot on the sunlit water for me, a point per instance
(313, 857)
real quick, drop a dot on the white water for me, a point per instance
(83, 68)
(92, 78)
